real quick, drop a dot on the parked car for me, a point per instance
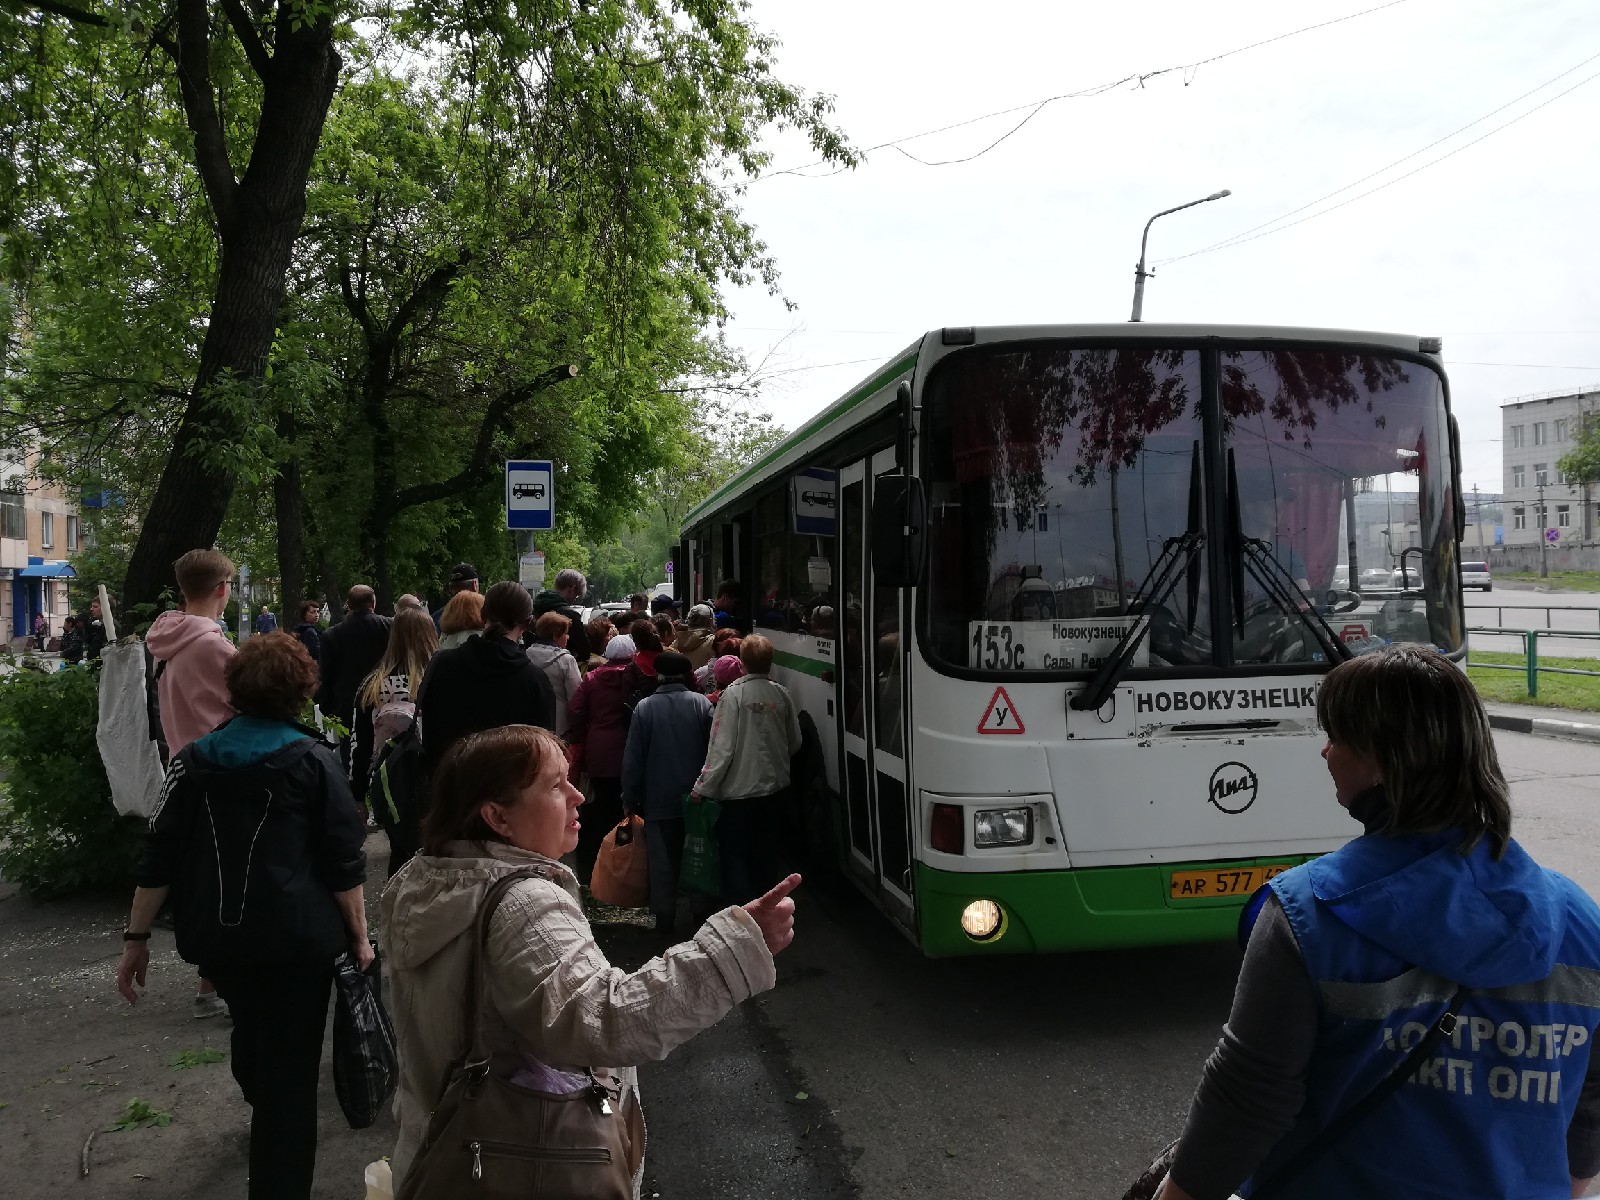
(1406, 577)
(1476, 575)
(1341, 579)
(1376, 577)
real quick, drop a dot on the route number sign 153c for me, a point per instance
(1069, 644)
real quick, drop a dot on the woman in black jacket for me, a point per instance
(487, 681)
(258, 843)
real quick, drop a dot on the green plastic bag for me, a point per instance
(702, 862)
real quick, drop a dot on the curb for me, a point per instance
(1546, 727)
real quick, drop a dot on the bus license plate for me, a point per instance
(1229, 881)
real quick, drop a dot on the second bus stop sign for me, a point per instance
(530, 495)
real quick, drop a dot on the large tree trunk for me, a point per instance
(286, 503)
(258, 220)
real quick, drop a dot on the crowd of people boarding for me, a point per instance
(496, 741)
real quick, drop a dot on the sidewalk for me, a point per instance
(1567, 723)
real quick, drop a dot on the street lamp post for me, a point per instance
(1139, 273)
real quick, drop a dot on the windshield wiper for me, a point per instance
(1275, 580)
(1179, 556)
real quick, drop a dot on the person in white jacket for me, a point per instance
(550, 654)
(755, 734)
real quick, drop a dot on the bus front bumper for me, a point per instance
(1092, 909)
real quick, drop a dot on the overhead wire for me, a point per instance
(1034, 107)
(1278, 225)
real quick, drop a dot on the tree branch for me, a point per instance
(482, 460)
(200, 107)
(432, 288)
(249, 37)
(81, 16)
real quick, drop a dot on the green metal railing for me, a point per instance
(1530, 652)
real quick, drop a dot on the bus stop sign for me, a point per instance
(530, 495)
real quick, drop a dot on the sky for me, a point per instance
(1493, 248)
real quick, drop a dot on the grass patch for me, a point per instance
(1555, 691)
(1573, 581)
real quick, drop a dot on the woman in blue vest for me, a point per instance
(1354, 956)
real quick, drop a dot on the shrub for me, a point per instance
(58, 829)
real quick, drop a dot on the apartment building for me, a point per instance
(1536, 431)
(39, 529)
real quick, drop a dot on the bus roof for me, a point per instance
(817, 431)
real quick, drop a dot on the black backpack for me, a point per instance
(396, 787)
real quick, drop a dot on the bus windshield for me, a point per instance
(1056, 476)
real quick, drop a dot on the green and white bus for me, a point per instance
(1059, 601)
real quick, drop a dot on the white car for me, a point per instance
(1406, 577)
(1476, 575)
(1376, 577)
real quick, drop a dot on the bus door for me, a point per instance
(871, 703)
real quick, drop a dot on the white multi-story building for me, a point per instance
(1536, 431)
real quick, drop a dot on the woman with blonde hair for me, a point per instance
(386, 709)
(461, 619)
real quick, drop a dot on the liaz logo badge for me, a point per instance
(1233, 787)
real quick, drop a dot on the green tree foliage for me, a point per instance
(1581, 464)
(721, 440)
(502, 192)
(58, 830)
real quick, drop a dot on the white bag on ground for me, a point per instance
(133, 764)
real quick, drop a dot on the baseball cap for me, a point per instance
(662, 603)
(463, 573)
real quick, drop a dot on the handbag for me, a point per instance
(365, 1068)
(1148, 1185)
(493, 1139)
(701, 870)
(621, 875)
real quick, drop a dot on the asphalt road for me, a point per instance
(1002, 1078)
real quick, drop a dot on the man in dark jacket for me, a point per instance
(463, 578)
(569, 586)
(93, 630)
(485, 682)
(666, 749)
(350, 651)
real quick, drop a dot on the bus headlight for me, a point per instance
(1002, 827)
(981, 920)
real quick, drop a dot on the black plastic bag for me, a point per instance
(365, 1066)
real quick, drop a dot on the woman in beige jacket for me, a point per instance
(501, 803)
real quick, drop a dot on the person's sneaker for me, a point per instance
(209, 1004)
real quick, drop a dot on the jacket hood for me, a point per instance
(434, 899)
(494, 655)
(174, 632)
(251, 741)
(692, 639)
(247, 740)
(1474, 920)
(546, 652)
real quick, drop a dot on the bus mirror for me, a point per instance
(898, 530)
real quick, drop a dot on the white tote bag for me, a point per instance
(133, 764)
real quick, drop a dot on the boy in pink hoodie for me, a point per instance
(194, 650)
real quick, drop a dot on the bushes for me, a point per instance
(58, 829)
